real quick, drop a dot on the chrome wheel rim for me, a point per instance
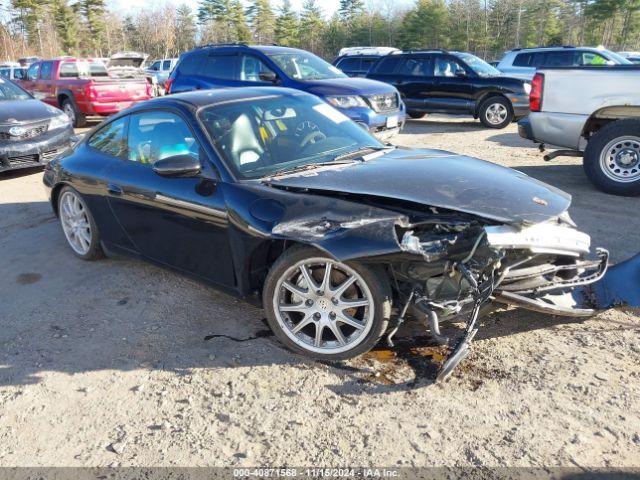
(620, 159)
(323, 306)
(496, 113)
(75, 223)
(70, 112)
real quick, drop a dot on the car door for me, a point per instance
(454, 85)
(415, 81)
(45, 85)
(179, 222)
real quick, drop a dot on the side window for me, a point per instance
(69, 70)
(251, 69)
(157, 135)
(191, 64)
(110, 139)
(222, 67)
(19, 73)
(446, 67)
(45, 71)
(5, 72)
(155, 66)
(166, 65)
(387, 65)
(349, 64)
(366, 64)
(591, 58)
(32, 73)
(559, 59)
(522, 60)
(417, 67)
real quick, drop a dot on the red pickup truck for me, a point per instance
(83, 88)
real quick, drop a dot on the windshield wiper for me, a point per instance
(360, 153)
(309, 166)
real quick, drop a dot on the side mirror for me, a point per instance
(270, 77)
(177, 166)
(461, 73)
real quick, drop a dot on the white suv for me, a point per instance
(523, 62)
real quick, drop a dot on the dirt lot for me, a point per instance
(106, 363)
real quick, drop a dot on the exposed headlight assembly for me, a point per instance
(346, 101)
(59, 121)
(540, 238)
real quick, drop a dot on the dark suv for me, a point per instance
(437, 81)
(374, 105)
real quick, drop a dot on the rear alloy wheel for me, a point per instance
(323, 308)
(78, 119)
(78, 225)
(612, 158)
(496, 112)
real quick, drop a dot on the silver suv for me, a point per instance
(523, 62)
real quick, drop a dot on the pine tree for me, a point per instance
(350, 9)
(227, 16)
(425, 26)
(185, 28)
(311, 27)
(93, 13)
(66, 23)
(262, 21)
(286, 27)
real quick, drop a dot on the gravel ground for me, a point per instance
(106, 363)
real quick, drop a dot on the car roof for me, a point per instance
(567, 47)
(266, 49)
(204, 98)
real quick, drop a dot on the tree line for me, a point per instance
(49, 28)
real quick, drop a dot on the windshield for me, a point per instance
(305, 66)
(478, 65)
(261, 136)
(617, 58)
(9, 91)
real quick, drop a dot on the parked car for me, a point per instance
(31, 132)
(376, 107)
(126, 65)
(83, 88)
(274, 196)
(633, 57)
(523, 62)
(158, 72)
(437, 81)
(356, 61)
(12, 71)
(594, 113)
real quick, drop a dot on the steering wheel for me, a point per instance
(312, 137)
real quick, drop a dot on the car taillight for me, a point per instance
(535, 97)
(90, 92)
(149, 89)
(167, 86)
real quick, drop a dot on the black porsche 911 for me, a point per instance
(31, 132)
(274, 196)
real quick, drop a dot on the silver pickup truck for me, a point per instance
(592, 112)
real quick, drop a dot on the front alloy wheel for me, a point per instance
(496, 112)
(324, 308)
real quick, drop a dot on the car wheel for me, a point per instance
(78, 225)
(612, 158)
(496, 112)
(323, 308)
(416, 115)
(78, 119)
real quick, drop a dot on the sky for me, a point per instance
(329, 6)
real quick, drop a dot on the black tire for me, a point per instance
(594, 166)
(95, 251)
(376, 281)
(416, 115)
(78, 119)
(488, 103)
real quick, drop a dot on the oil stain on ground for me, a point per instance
(28, 278)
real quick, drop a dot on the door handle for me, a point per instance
(114, 189)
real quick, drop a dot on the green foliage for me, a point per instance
(287, 25)
(425, 26)
(262, 21)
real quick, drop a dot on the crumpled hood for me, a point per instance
(347, 86)
(441, 179)
(13, 112)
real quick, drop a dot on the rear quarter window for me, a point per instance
(522, 60)
(222, 67)
(191, 65)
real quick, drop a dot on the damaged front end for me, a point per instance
(467, 263)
